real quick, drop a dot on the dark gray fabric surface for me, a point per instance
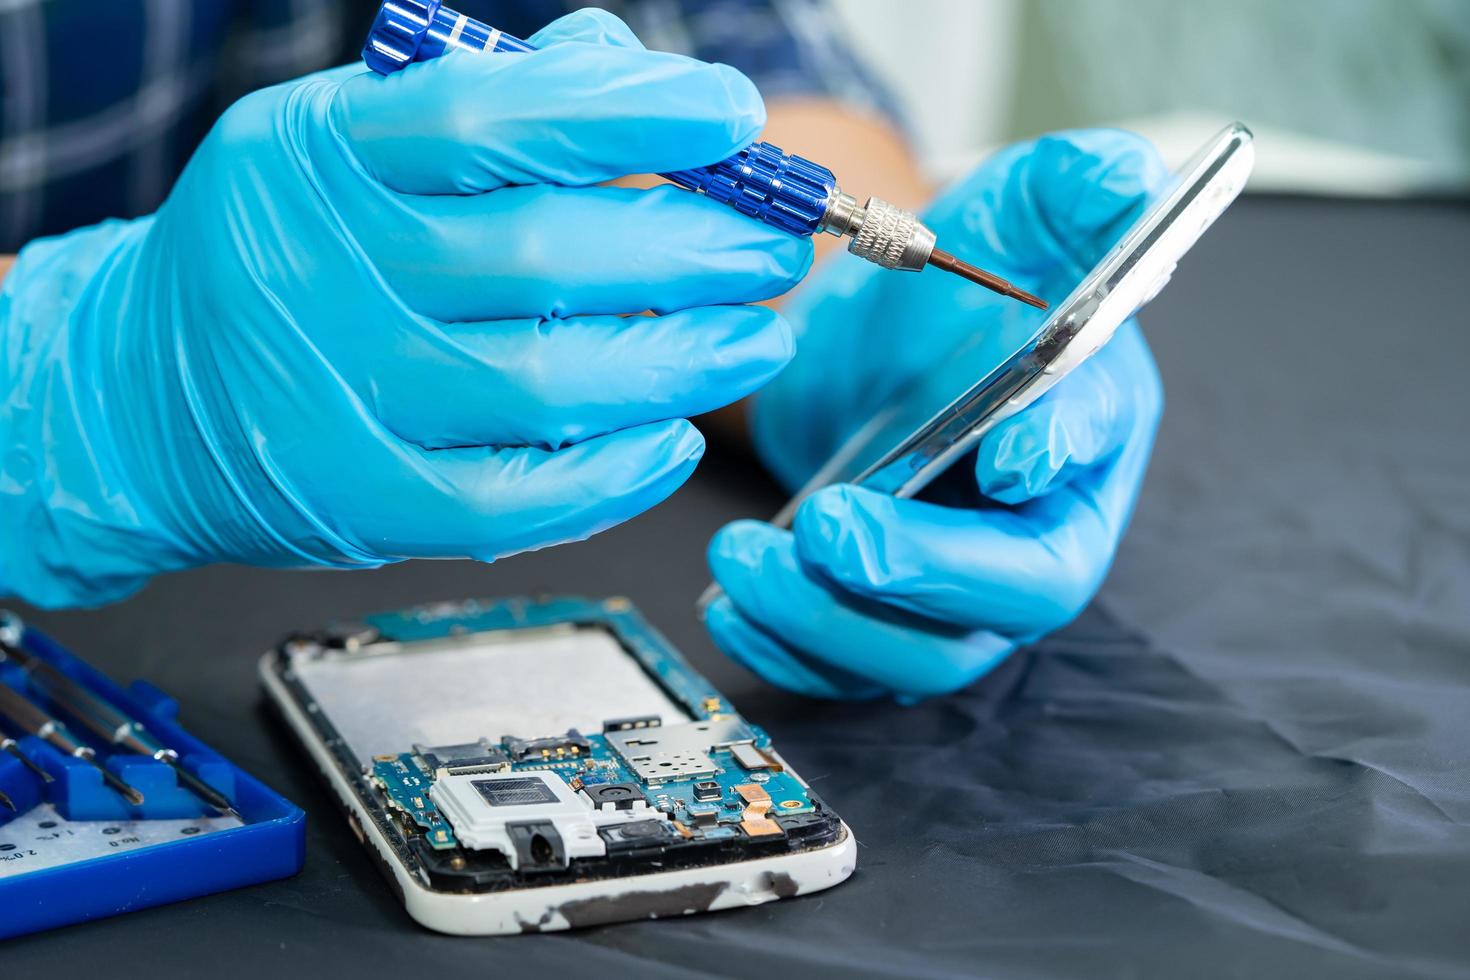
(1250, 758)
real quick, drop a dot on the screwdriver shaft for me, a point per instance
(33, 721)
(129, 793)
(203, 790)
(11, 746)
(113, 726)
(941, 259)
(8, 803)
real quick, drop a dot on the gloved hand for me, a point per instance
(377, 319)
(870, 595)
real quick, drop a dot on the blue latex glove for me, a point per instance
(870, 595)
(376, 319)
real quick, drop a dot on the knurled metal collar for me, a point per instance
(892, 237)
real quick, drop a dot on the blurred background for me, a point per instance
(1357, 97)
(1367, 98)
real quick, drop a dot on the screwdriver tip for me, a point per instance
(8, 803)
(204, 791)
(941, 259)
(1030, 300)
(129, 793)
(31, 764)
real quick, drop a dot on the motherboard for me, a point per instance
(516, 806)
(694, 786)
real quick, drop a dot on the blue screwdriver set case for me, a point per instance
(73, 850)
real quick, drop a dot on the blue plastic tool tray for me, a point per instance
(76, 851)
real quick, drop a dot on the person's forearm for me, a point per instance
(868, 155)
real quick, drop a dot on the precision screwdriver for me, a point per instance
(112, 725)
(8, 744)
(32, 720)
(8, 803)
(762, 181)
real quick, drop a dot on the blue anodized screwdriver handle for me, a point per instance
(762, 181)
(782, 189)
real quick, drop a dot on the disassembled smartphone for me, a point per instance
(912, 440)
(533, 765)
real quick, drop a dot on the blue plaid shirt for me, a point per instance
(102, 101)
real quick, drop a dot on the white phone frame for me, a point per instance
(547, 908)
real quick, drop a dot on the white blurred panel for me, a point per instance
(952, 64)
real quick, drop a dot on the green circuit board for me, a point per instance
(706, 806)
(686, 784)
(407, 789)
